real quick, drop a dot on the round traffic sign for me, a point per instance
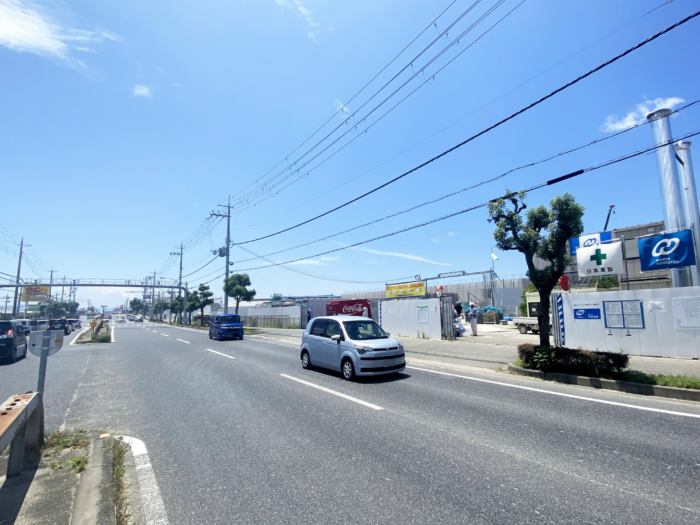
(93, 324)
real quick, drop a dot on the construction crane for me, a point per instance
(605, 228)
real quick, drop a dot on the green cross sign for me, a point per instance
(598, 257)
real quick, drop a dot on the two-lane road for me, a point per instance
(238, 432)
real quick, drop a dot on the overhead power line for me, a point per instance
(475, 185)
(484, 131)
(286, 212)
(550, 182)
(259, 192)
(341, 109)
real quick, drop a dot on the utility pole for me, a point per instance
(179, 282)
(17, 304)
(153, 296)
(228, 241)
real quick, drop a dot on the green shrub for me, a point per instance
(568, 361)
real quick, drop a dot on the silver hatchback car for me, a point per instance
(351, 345)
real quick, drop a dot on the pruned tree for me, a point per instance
(206, 297)
(544, 233)
(136, 305)
(176, 307)
(236, 286)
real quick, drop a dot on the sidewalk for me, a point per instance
(496, 347)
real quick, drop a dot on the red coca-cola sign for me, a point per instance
(348, 307)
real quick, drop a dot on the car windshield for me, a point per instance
(360, 330)
(227, 319)
(5, 326)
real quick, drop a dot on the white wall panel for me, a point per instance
(400, 317)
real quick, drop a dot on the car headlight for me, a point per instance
(400, 346)
(363, 349)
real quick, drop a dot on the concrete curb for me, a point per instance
(94, 498)
(686, 394)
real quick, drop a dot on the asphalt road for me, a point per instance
(234, 437)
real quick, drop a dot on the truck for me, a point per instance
(348, 307)
(530, 323)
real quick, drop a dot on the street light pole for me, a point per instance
(17, 304)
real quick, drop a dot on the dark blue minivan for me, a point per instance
(224, 326)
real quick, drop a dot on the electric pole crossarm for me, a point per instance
(228, 242)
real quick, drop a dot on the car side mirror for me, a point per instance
(337, 338)
(388, 334)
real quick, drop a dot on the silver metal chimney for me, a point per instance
(669, 183)
(689, 197)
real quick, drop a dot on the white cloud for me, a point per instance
(370, 261)
(176, 85)
(328, 258)
(434, 239)
(404, 256)
(26, 27)
(312, 37)
(142, 91)
(301, 13)
(307, 261)
(451, 234)
(639, 114)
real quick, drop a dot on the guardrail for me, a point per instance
(21, 426)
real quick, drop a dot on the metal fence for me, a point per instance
(271, 321)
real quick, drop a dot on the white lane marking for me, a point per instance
(614, 403)
(214, 351)
(365, 403)
(183, 341)
(112, 328)
(79, 334)
(166, 335)
(153, 508)
(62, 426)
(263, 338)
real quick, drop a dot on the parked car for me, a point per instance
(225, 326)
(354, 346)
(13, 341)
(25, 325)
(60, 324)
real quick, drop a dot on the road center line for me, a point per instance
(166, 335)
(365, 403)
(183, 341)
(220, 353)
(614, 403)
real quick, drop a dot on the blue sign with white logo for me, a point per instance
(666, 251)
(589, 240)
(587, 313)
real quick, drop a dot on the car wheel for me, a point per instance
(535, 332)
(522, 329)
(305, 361)
(24, 356)
(210, 337)
(241, 338)
(348, 369)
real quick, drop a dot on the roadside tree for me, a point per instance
(544, 234)
(176, 307)
(136, 305)
(192, 303)
(236, 286)
(206, 297)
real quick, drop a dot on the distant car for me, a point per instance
(90, 316)
(132, 318)
(13, 341)
(25, 325)
(75, 323)
(138, 320)
(225, 326)
(107, 316)
(354, 346)
(121, 319)
(60, 324)
(36, 325)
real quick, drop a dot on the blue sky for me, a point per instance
(125, 123)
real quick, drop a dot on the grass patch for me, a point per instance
(251, 331)
(121, 505)
(77, 464)
(520, 363)
(59, 440)
(105, 335)
(662, 380)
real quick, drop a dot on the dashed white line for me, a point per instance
(166, 335)
(344, 396)
(225, 355)
(614, 403)
(152, 503)
(183, 341)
